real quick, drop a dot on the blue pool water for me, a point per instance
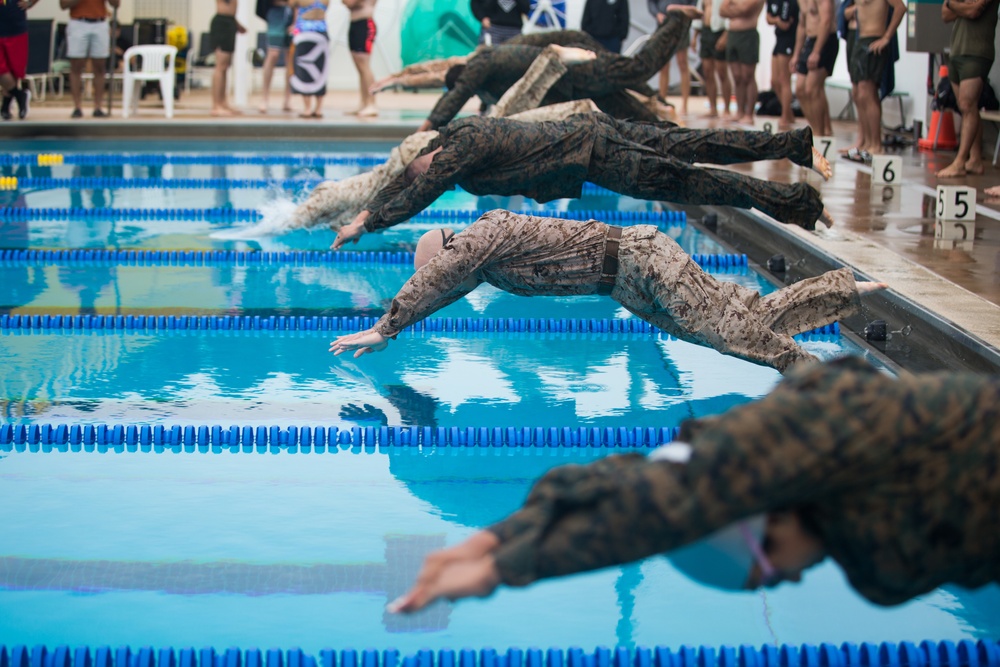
(280, 548)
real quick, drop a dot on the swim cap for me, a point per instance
(723, 559)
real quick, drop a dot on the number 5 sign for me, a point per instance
(955, 203)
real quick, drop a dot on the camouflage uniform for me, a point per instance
(527, 255)
(490, 73)
(546, 161)
(898, 476)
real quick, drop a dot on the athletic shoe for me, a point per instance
(5, 107)
(99, 113)
(76, 114)
(23, 96)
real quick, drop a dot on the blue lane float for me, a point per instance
(210, 323)
(927, 653)
(204, 438)
(33, 257)
(231, 215)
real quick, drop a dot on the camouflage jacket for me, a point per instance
(520, 254)
(899, 476)
(495, 156)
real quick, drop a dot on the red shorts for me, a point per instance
(14, 55)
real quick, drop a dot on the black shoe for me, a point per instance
(76, 114)
(23, 96)
(100, 113)
(5, 107)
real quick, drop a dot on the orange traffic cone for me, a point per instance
(941, 132)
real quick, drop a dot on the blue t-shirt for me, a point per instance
(13, 19)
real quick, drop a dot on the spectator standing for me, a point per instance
(743, 52)
(712, 51)
(816, 49)
(312, 51)
(658, 8)
(784, 16)
(88, 37)
(972, 54)
(500, 20)
(223, 33)
(14, 55)
(607, 22)
(279, 17)
(360, 40)
(867, 64)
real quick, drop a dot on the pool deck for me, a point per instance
(887, 234)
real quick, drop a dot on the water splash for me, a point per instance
(277, 220)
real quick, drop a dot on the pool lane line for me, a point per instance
(145, 324)
(156, 159)
(231, 215)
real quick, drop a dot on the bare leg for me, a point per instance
(269, 63)
(362, 61)
(711, 92)
(685, 68)
(725, 86)
(222, 62)
(739, 90)
(98, 65)
(76, 66)
(781, 82)
(870, 116)
(970, 152)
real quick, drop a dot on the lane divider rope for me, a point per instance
(927, 653)
(153, 323)
(224, 214)
(153, 159)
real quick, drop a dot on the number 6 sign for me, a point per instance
(886, 169)
(955, 203)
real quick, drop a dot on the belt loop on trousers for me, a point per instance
(609, 270)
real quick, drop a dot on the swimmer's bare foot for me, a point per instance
(869, 287)
(826, 218)
(687, 10)
(953, 170)
(975, 167)
(821, 165)
(571, 55)
(370, 111)
(710, 114)
(993, 191)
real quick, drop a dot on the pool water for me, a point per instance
(276, 547)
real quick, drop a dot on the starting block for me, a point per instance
(886, 169)
(955, 203)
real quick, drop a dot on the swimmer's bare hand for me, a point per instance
(351, 232)
(465, 570)
(362, 342)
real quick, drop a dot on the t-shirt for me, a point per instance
(784, 10)
(974, 37)
(13, 19)
(89, 9)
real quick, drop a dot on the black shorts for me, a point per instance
(826, 58)
(223, 33)
(784, 43)
(361, 36)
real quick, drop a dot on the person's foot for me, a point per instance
(77, 113)
(869, 287)
(5, 107)
(23, 97)
(785, 127)
(262, 108)
(221, 112)
(234, 112)
(370, 111)
(100, 113)
(993, 191)
(710, 114)
(571, 55)
(826, 218)
(954, 170)
(975, 167)
(687, 10)
(821, 165)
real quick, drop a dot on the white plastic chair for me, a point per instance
(157, 65)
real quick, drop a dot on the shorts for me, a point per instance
(849, 41)
(14, 55)
(361, 36)
(743, 46)
(88, 39)
(223, 33)
(826, 58)
(961, 68)
(685, 40)
(784, 43)
(707, 50)
(865, 65)
(278, 21)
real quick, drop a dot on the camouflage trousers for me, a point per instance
(660, 283)
(651, 161)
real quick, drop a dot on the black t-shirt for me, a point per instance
(785, 10)
(13, 19)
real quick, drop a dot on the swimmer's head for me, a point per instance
(419, 165)
(451, 78)
(429, 245)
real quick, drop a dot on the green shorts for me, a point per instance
(707, 50)
(865, 65)
(223, 33)
(961, 68)
(743, 46)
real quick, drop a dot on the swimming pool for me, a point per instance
(280, 544)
